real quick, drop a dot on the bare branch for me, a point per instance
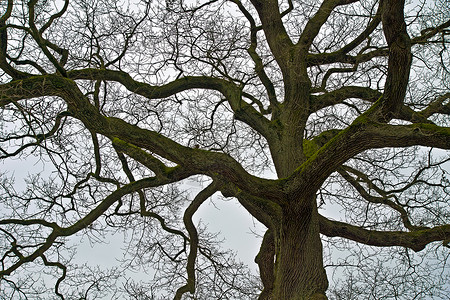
(416, 240)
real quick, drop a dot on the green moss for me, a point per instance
(309, 147)
(60, 82)
(431, 127)
(312, 146)
(367, 116)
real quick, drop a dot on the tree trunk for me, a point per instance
(299, 272)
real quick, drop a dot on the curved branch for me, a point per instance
(313, 26)
(275, 32)
(81, 224)
(4, 65)
(430, 32)
(54, 17)
(43, 43)
(416, 240)
(362, 135)
(259, 66)
(8, 12)
(341, 54)
(153, 92)
(193, 238)
(210, 163)
(143, 209)
(384, 199)
(30, 222)
(341, 94)
(437, 106)
(243, 111)
(39, 138)
(60, 279)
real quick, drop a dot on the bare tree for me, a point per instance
(348, 102)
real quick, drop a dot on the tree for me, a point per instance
(347, 101)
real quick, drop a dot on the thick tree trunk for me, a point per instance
(299, 272)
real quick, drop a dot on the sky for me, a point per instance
(239, 230)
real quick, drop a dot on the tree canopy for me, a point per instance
(328, 121)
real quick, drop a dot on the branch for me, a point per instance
(243, 111)
(193, 238)
(384, 199)
(416, 240)
(400, 57)
(213, 164)
(313, 26)
(259, 66)
(265, 261)
(265, 211)
(147, 213)
(81, 224)
(341, 94)
(148, 160)
(341, 54)
(149, 91)
(430, 32)
(4, 65)
(362, 135)
(43, 43)
(437, 106)
(60, 279)
(275, 32)
(54, 17)
(337, 57)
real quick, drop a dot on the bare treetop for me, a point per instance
(346, 103)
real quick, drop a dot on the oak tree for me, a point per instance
(121, 102)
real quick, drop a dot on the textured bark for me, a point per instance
(400, 57)
(265, 261)
(299, 264)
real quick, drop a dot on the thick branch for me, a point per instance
(400, 57)
(214, 164)
(265, 211)
(339, 95)
(416, 240)
(358, 137)
(148, 160)
(438, 106)
(338, 57)
(244, 112)
(277, 37)
(265, 261)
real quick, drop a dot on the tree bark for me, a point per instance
(298, 273)
(265, 261)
